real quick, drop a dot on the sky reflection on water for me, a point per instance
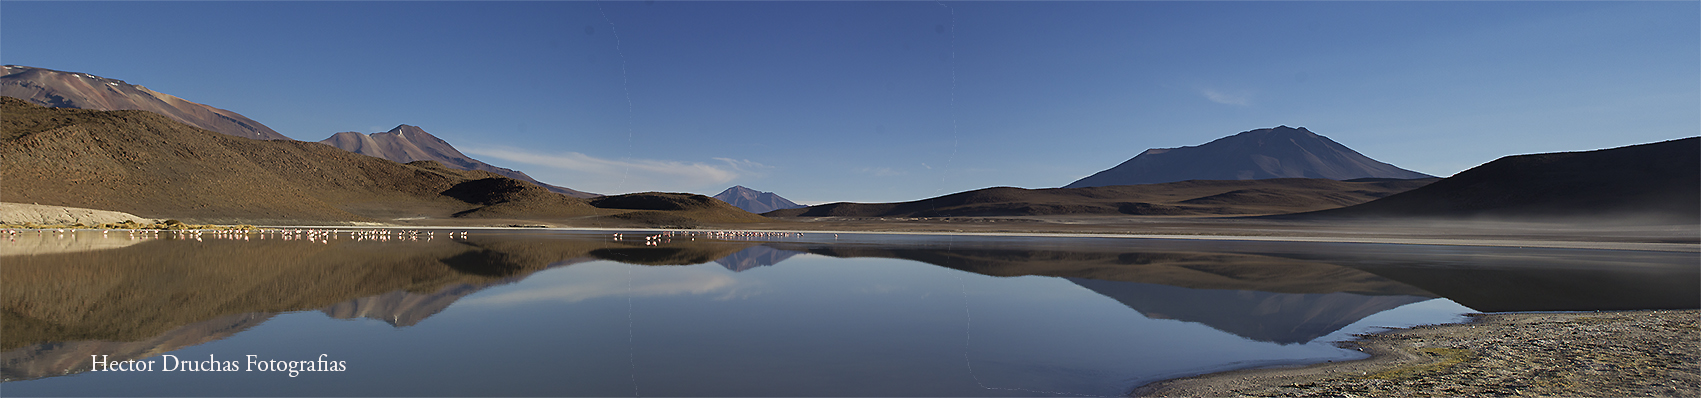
(542, 314)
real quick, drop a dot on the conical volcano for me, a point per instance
(1281, 152)
(755, 201)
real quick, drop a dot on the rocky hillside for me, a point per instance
(151, 166)
(58, 89)
(406, 144)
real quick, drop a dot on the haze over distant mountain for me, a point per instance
(406, 144)
(1658, 182)
(47, 87)
(755, 201)
(1281, 152)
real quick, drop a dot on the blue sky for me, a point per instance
(893, 101)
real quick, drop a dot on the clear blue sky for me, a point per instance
(891, 101)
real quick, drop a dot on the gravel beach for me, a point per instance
(1592, 354)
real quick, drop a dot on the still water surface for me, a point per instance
(501, 313)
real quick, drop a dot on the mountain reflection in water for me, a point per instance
(143, 299)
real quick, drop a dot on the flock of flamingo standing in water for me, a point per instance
(308, 234)
(377, 234)
(667, 236)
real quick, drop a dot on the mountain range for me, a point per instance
(58, 89)
(143, 163)
(1280, 152)
(755, 201)
(147, 155)
(406, 144)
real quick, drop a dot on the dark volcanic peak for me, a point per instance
(58, 89)
(1281, 152)
(405, 144)
(755, 201)
(1658, 182)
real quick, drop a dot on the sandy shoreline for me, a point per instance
(1599, 354)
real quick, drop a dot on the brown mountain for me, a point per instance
(755, 201)
(1281, 152)
(1274, 196)
(149, 165)
(406, 144)
(58, 89)
(1658, 182)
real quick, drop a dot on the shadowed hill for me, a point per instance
(58, 89)
(1281, 152)
(1177, 198)
(1658, 182)
(666, 209)
(407, 144)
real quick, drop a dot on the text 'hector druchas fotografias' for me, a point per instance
(170, 363)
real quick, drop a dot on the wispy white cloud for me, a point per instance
(746, 166)
(880, 171)
(633, 173)
(1240, 98)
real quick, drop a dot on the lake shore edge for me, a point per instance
(1616, 353)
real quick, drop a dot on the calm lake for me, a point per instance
(580, 313)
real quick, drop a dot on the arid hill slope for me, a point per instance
(1658, 182)
(58, 89)
(146, 164)
(1214, 197)
(407, 144)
